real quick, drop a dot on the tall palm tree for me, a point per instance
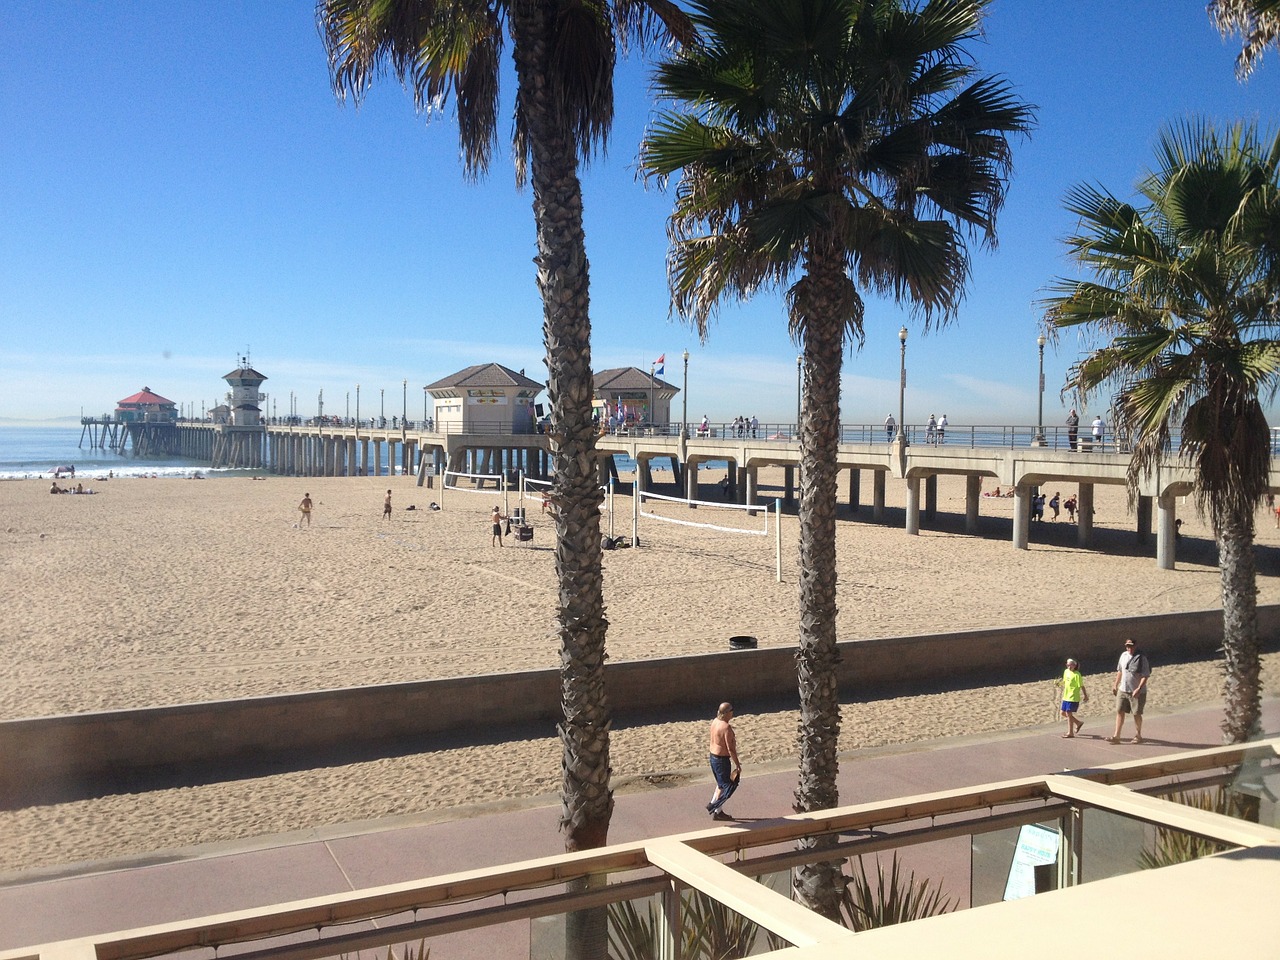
(828, 147)
(1257, 21)
(564, 53)
(1185, 291)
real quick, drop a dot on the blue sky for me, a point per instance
(178, 184)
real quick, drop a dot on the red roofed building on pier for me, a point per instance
(146, 407)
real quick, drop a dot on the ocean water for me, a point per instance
(36, 451)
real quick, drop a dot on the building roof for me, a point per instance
(628, 378)
(485, 375)
(245, 373)
(145, 398)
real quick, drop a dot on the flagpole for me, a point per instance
(652, 367)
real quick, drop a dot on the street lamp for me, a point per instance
(799, 381)
(357, 406)
(404, 405)
(684, 407)
(1038, 440)
(424, 408)
(382, 407)
(348, 406)
(902, 385)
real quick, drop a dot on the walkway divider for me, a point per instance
(73, 754)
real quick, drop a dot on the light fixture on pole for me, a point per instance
(799, 382)
(424, 408)
(684, 394)
(357, 405)
(902, 386)
(382, 407)
(348, 406)
(404, 404)
(1038, 440)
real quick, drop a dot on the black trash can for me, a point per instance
(742, 643)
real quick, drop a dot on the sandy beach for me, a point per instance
(155, 592)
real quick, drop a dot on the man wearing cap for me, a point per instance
(1073, 692)
(1130, 688)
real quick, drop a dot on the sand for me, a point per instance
(167, 591)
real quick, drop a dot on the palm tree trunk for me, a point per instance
(563, 282)
(1241, 687)
(586, 797)
(819, 884)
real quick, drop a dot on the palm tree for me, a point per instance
(1185, 290)
(564, 52)
(846, 144)
(1257, 21)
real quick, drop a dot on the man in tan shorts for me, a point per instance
(725, 765)
(305, 507)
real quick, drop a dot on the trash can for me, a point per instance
(742, 643)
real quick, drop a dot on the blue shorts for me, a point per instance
(1070, 706)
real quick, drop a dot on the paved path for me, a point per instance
(78, 901)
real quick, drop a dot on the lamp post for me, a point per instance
(799, 383)
(348, 406)
(902, 386)
(357, 406)
(404, 405)
(684, 402)
(1038, 440)
(424, 408)
(382, 407)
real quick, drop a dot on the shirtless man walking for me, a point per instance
(386, 507)
(725, 765)
(305, 507)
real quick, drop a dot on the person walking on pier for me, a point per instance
(889, 425)
(1073, 428)
(1099, 430)
(725, 765)
(386, 507)
(305, 508)
(942, 429)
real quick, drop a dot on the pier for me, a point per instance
(339, 450)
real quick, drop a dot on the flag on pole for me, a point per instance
(659, 365)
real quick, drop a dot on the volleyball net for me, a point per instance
(750, 519)
(662, 508)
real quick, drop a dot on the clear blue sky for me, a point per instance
(178, 183)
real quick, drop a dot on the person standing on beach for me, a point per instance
(386, 507)
(496, 519)
(305, 507)
(1073, 692)
(1130, 688)
(725, 765)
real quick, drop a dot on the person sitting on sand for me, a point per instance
(994, 493)
(54, 488)
(305, 507)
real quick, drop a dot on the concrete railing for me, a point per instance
(68, 753)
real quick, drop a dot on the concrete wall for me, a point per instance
(49, 752)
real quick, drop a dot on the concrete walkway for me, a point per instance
(76, 901)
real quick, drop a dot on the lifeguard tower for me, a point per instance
(238, 443)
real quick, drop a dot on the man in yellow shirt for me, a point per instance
(1073, 693)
